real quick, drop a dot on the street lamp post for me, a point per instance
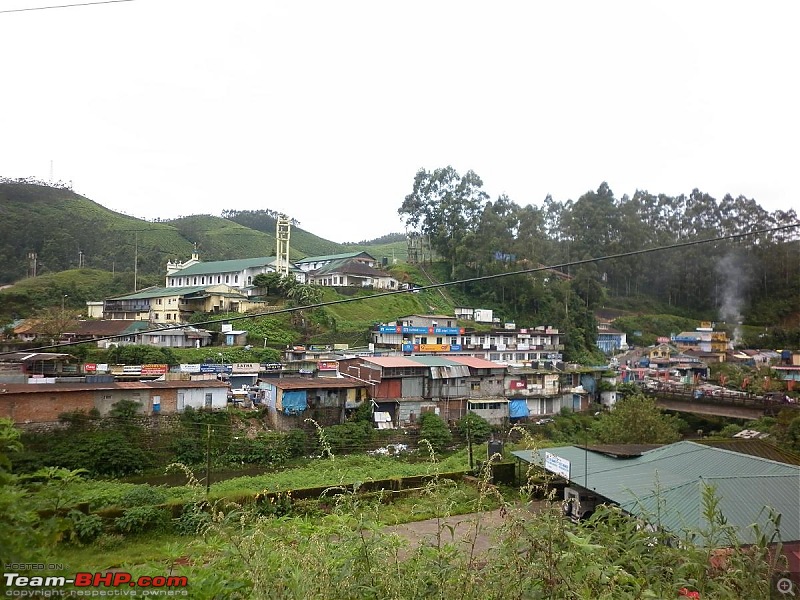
(63, 298)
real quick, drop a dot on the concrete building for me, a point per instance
(292, 400)
(25, 403)
(237, 273)
(442, 334)
(177, 304)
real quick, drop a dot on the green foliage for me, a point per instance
(134, 354)
(141, 519)
(636, 419)
(143, 496)
(351, 436)
(433, 428)
(475, 427)
(85, 528)
(194, 520)
(107, 239)
(265, 221)
(652, 327)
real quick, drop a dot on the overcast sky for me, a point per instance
(326, 110)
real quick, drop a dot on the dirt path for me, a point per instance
(463, 530)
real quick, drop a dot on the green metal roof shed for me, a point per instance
(665, 486)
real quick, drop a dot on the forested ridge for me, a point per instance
(754, 279)
(453, 222)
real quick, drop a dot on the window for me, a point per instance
(203, 279)
(209, 400)
(494, 356)
(235, 279)
(438, 340)
(169, 317)
(475, 386)
(195, 280)
(172, 281)
(227, 278)
(219, 278)
(249, 280)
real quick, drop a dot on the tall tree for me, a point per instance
(446, 207)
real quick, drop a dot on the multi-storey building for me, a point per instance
(176, 304)
(441, 334)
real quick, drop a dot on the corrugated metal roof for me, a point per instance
(433, 361)
(311, 259)
(50, 388)
(225, 266)
(667, 482)
(476, 363)
(33, 356)
(300, 383)
(392, 361)
(762, 448)
(160, 292)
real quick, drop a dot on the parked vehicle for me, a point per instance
(579, 505)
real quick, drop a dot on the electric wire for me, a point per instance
(289, 310)
(14, 10)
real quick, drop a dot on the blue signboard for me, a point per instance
(408, 347)
(421, 330)
(206, 368)
(447, 330)
(455, 347)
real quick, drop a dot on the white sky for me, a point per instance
(326, 110)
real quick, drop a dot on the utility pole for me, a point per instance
(208, 461)
(135, 259)
(469, 441)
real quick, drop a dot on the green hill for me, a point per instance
(64, 230)
(46, 229)
(302, 243)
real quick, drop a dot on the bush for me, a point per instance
(143, 495)
(85, 528)
(139, 519)
(193, 520)
(349, 437)
(435, 430)
(479, 428)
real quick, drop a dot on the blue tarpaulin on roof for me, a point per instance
(294, 402)
(518, 408)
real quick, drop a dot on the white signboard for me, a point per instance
(556, 464)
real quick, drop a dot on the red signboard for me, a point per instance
(327, 365)
(90, 368)
(517, 384)
(154, 369)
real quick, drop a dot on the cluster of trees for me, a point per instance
(753, 278)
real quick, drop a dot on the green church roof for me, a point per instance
(224, 266)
